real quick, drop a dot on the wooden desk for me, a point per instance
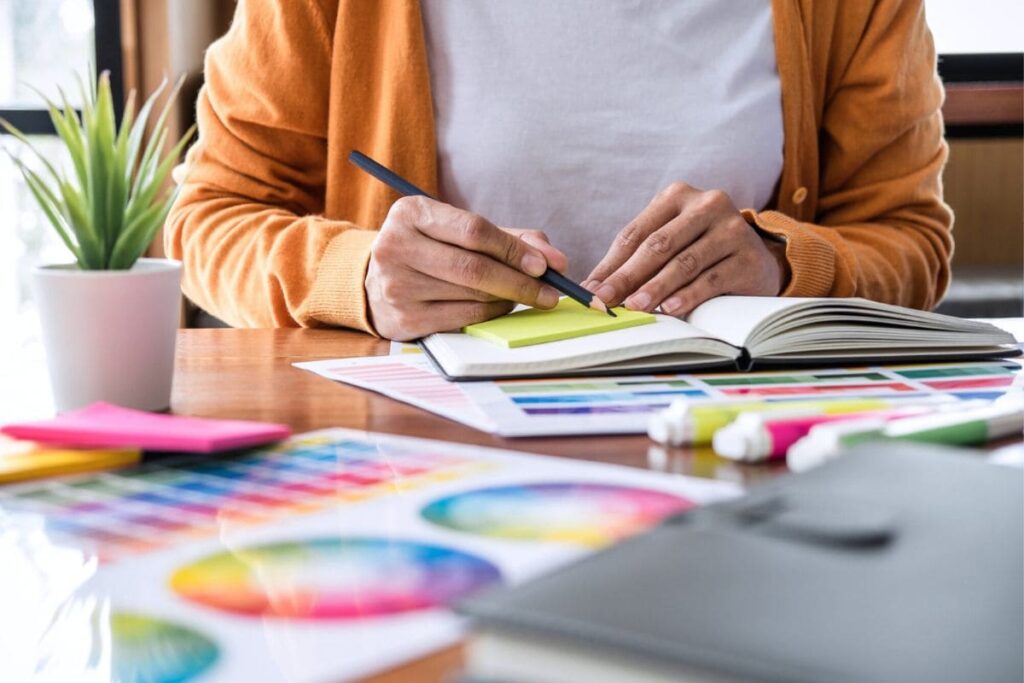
(247, 374)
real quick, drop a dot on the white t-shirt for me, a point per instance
(570, 115)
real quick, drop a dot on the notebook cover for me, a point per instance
(894, 563)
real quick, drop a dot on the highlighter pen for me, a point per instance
(826, 441)
(405, 188)
(968, 427)
(687, 423)
(962, 428)
(757, 437)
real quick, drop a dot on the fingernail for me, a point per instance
(605, 293)
(534, 265)
(639, 301)
(548, 297)
(670, 306)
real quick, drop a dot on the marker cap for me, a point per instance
(745, 439)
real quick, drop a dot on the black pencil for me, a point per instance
(404, 187)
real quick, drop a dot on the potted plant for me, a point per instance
(110, 319)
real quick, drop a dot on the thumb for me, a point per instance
(556, 259)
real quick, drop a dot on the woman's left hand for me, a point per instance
(686, 247)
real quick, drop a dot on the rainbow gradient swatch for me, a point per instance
(582, 513)
(333, 578)
(150, 650)
(166, 503)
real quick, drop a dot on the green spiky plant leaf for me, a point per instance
(109, 209)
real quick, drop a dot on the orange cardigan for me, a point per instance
(275, 227)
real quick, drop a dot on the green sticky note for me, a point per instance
(567, 320)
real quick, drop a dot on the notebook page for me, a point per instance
(734, 318)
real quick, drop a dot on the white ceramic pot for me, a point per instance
(109, 335)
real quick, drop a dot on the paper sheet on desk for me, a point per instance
(623, 405)
(329, 558)
(409, 378)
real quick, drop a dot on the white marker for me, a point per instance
(825, 441)
(756, 437)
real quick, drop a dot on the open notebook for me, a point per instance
(734, 332)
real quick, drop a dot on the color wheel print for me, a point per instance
(152, 650)
(333, 578)
(587, 514)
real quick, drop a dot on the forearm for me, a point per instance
(254, 265)
(895, 261)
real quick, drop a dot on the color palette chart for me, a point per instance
(406, 377)
(146, 649)
(334, 578)
(588, 514)
(119, 514)
(330, 557)
(622, 405)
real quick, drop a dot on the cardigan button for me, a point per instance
(800, 195)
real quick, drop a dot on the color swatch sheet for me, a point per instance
(622, 405)
(568, 320)
(409, 378)
(330, 557)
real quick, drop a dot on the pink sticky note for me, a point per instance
(106, 425)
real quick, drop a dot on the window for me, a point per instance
(43, 43)
(981, 61)
(976, 27)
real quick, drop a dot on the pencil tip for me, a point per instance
(599, 305)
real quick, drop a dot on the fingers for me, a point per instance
(406, 304)
(462, 313)
(433, 267)
(662, 209)
(536, 238)
(665, 254)
(660, 250)
(709, 284)
(680, 270)
(749, 268)
(463, 268)
(430, 317)
(471, 232)
(405, 287)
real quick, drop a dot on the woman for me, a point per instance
(791, 147)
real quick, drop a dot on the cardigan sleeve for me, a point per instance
(881, 230)
(247, 224)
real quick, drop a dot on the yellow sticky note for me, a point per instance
(21, 460)
(567, 320)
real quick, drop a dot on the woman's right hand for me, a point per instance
(434, 268)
